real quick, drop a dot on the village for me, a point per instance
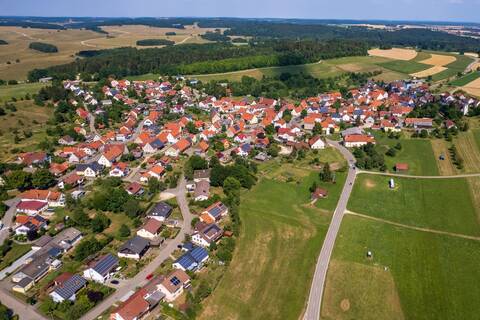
(157, 169)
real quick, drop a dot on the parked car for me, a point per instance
(150, 276)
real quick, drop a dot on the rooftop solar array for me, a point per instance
(174, 280)
(105, 264)
(71, 286)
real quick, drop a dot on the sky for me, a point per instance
(431, 10)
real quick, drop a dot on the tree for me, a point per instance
(231, 187)
(124, 231)
(100, 222)
(132, 208)
(391, 152)
(153, 185)
(43, 179)
(20, 180)
(326, 174)
(79, 217)
(86, 247)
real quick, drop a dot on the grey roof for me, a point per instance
(95, 166)
(70, 287)
(136, 245)
(202, 188)
(201, 174)
(36, 268)
(24, 282)
(44, 240)
(105, 264)
(161, 209)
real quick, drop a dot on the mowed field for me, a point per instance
(412, 275)
(440, 204)
(280, 239)
(69, 42)
(322, 69)
(19, 91)
(424, 237)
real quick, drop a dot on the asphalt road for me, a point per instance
(140, 279)
(312, 311)
(7, 218)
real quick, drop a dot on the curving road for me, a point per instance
(312, 311)
(139, 280)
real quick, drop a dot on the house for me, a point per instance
(67, 289)
(207, 234)
(318, 193)
(28, 224)
(213, 213)
(89, 170)
(153, 146)
(419, 123)
(192, 260)
(52, 198)
(134, 248)
(202, 190)
(173, 284)
(119, 170)
(134, 308)
(33, 158)
(178, 148)
(151, 229)
(201, 175)
(66, 141)
(32, 207)
(101, 269)
(58, 169)
(357, 140)
(316, 143)
(161, 211)
(111, 155)
(156, 172)
(401, 167)
(135, 189)
(71, 180)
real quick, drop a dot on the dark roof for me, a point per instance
(161, 209)
(105, 264)
(70, 287)
(136, 245)
(192, 258)
(95, 166)
(201, 174)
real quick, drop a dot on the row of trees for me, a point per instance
(43, 47)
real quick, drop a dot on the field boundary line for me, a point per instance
(457, 176)
(397, 224)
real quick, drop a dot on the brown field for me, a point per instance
(341, 301)
(468, 151)
(473, 87)
(445, 167)
(121, 36)
(70, 42)
(394, 53)
(429, 72)
(439, 60)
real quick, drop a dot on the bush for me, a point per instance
(155, 42)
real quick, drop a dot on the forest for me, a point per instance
(155, 42)
(43, 47)
(201, 58)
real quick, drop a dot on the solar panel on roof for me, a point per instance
(104, 265)
(175, 281)
(215, 211)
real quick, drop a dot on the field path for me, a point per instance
(465, 175)
(452, 234)
(84, 43)
(183, 41)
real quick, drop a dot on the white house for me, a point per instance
(101, 269)
(316, 143)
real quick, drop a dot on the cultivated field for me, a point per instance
(69, 42)
(439, 60)
(446, 167)
(394, 53)
(466, 79)
(467, 149)
(280, 240)
(473, 87)
(412, 274)
(440, 204)
(19, 91)
(429, 72)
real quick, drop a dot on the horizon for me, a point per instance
(454, 11)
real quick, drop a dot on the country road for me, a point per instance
(399, 175)
(312, 311)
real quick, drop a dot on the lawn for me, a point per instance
(417, 153)
(462, 81)
(441, 204)
(19, 91)
(280, 239)
(412, 275)
(15, 252)
(405, 66)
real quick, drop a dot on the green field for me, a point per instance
(453, 68)
(417, 153)
(15, 252)
(405, 66)
(412, 275)
(280, 239)
(19, 91)
(441, 204)
(466, 79)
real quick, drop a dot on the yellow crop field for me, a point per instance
(473, 87)
(394, 53)
(439, 60)
(429, 72)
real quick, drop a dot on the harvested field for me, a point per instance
(468, 151)
(473, 87)
(439, 60)
(446, 167)
(394, 53)
(429, 72)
